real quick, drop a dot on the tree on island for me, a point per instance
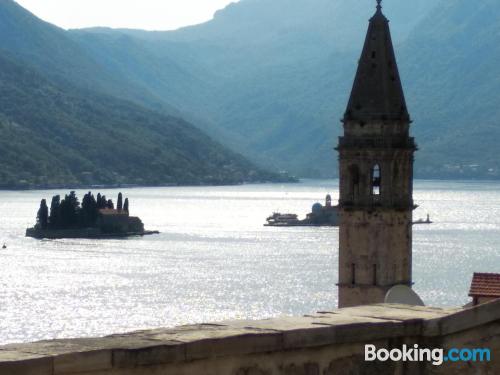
(89, 211)
(69, 209)
(99, 200)
(69, 214)
(119, 202)
(42, 216)
(55, 218)
(102, 202)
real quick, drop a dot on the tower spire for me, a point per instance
(377, 92)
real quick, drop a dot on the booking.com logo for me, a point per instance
(416, 354)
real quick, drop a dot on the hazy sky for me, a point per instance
(138, 14)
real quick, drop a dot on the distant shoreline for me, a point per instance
(84, 233)
(291, 181)
(134, 186)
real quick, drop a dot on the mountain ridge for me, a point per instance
(271, 78)
(57, 134)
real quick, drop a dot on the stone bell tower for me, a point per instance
(376, 176)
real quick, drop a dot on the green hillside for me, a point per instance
(58, 137)
(452, 76)
(54, 54)
(275, 82)
(271, 78)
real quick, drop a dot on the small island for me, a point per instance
(95, 217)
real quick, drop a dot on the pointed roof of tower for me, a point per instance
(377, 93)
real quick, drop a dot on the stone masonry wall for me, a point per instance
(326, 343)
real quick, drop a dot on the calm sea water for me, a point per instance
(214, 260)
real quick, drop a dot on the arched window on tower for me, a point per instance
(376, 180)
(354, 175)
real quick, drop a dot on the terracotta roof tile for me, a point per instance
(485, 285)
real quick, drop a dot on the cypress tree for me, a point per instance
(70, 208)
(125, 206)
(42, 217)
(55, 214)
(94, 209)
(89, 210)
(119, 203)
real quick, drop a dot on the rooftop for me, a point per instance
(112, 212)
(485, 285)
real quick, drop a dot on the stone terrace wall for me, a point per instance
(326, 343)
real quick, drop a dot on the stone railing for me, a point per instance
(326, 343)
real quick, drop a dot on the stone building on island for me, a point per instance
(376, 176)
(118, 221)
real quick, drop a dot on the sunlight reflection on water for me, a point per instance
(214, 260)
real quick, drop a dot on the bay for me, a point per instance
(214, 260)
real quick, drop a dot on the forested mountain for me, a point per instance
(271, 78)
(56, 133)
(275, 76)
(54, 54)
(452, 70)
